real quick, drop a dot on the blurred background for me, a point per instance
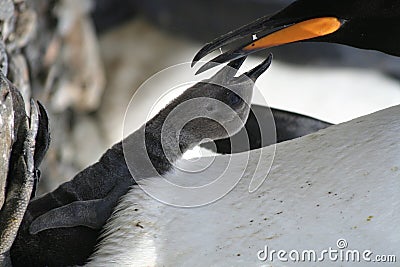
(87, 58)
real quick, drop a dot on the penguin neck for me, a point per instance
(163, 145)
(156, 149)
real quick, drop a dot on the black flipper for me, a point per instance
(91, 213)
(258, 128)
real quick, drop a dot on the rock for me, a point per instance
(6, 9)
(6, 135)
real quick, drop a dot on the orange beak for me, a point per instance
(297, 32)
(273, 32)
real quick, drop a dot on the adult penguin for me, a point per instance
(366, 24)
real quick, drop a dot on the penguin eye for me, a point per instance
(233, 99)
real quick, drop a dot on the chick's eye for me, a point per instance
(233, 99)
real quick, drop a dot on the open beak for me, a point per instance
(227, 73)
(264, 33)
(254, 73)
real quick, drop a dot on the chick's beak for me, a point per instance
(226, 74)
(256, 72)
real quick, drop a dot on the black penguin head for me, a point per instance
(366, 24)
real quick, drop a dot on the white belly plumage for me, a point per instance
(341, 182)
